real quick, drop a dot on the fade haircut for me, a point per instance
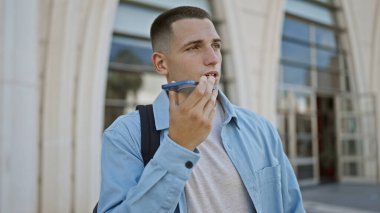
(161, 29)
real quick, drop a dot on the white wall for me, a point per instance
(19, 106)
(53, 66)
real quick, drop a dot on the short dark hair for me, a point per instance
(161, 29)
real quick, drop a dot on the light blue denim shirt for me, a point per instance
(250, 141)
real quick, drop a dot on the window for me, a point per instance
(310, 52)
(312, 63)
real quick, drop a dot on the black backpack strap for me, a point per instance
(95, 210)
(150, 137)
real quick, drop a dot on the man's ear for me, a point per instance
(159, 63)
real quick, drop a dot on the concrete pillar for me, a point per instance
(90, 102)
(62, 22)
(359, 40)
(76, 38)
(19, 106)
(254, 31)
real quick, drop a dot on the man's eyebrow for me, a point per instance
(218, 40)
(192, 42)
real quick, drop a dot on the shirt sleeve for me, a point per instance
(126, 186)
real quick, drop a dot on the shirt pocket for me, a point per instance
(269, 184)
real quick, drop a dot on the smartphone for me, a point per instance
(180, 86)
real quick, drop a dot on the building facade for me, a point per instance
(69, 67)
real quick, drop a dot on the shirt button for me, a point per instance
(189, 164)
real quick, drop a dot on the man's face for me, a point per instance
(194, 51)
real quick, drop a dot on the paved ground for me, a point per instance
(342, 198)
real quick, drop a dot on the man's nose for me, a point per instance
(211, 56)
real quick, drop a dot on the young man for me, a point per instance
(213, 156)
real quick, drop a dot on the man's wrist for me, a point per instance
(185, 145)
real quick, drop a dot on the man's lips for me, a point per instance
(215, 74)
(212, 73)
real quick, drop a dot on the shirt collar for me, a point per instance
(161, 110)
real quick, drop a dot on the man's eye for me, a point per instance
(216, 45)
(193, 48)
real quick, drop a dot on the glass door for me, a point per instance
(327, 144)
(298, 129)
(356, 136)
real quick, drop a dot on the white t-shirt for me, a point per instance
(215, 185)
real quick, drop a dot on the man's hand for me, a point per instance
(191, 117)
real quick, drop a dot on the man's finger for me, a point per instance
(172, 98)
(197, 93)
(212, 113)
(208, 94)
(211, 103)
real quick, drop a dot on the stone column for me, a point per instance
(90, 101)
(75, 41)
(254, 31)
(19, 106)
